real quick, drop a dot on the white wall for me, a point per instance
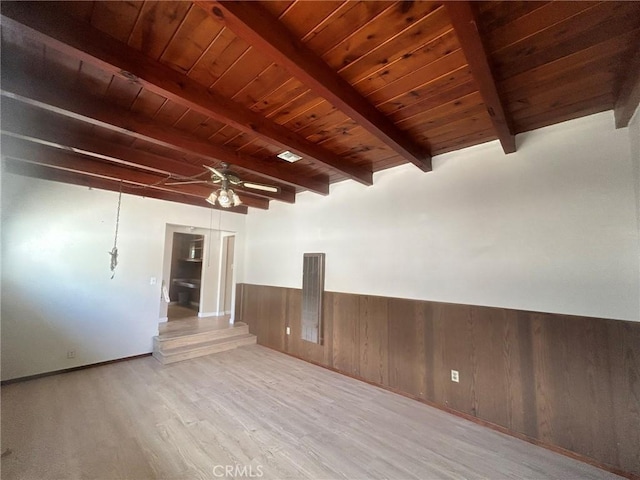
(56, 289)
(550, 228)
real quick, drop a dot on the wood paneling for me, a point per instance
(78, 41)
(463, 19)
(121, 121)
(566, 382)
(38, 171)
(254, 24)
(373, 336)
(354, 87)
(346, 333)
(624, 357)
(408, 340)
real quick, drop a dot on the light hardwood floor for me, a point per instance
(178, 312)
(251, 408)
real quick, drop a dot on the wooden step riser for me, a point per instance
(200, 337)
(166, 357)
(195, 323)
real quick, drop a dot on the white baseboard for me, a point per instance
(163, 319)
(210, 314)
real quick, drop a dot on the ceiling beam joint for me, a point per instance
(465, 25)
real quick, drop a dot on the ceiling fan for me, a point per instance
(226, 178)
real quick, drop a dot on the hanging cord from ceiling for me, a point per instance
(114, 250)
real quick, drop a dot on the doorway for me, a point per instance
(185, 276)
(198, 274)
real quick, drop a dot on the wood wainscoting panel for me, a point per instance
(346, 333)
(261, 311)
(275, 307)
(265, 310)
(407, 337)
(293, 307)
(373, 337)
(327, 331)
(573, 375)
(495, 366)
(624, 363)
(451, 351)
(589, 406)
(543, 366)
(569, 383)
(529, 426)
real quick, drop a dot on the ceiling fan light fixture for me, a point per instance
(289, 156)
(236, 199)
(223, 198)
(212, 198)
(226, 198)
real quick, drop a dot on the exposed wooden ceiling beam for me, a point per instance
(629, 93)
(64, 160)
(48, 25)
(19, 120)
(117, 154)
(465, 25)
(44, 127)
(18, 167)
(87, 109)
(253, 23)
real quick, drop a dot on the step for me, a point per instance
(191, 329)
(190, 337)
(192, 351)
(193, 323)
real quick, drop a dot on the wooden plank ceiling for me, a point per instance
(144, 93)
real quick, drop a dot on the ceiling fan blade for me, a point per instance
(214, 171)
(259, 186)
(187, 182)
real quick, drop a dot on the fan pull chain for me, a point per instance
(114, 250)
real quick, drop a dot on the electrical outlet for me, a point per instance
(153, 281)
(288, 330)
(455, 376)
(71, 354)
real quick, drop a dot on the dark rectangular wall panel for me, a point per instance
(566, 381)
